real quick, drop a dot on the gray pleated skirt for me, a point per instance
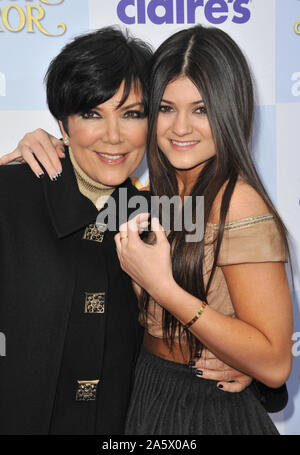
(168, 399)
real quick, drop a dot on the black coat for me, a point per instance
(51, 342)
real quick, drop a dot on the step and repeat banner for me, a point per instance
(32, 32)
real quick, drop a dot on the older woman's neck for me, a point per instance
(96, 192)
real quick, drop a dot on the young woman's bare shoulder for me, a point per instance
(245, 202)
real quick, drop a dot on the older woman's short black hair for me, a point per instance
(89, 71)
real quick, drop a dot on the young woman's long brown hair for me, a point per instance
(218, 68)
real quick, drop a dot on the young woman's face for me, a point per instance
(183, 130)
(108, 142)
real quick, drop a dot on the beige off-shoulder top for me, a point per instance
(249, 240)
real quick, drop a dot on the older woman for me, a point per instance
(68, 311)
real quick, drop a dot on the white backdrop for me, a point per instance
(33, 31)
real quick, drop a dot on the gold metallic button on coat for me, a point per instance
(92, 232)
(87, 390)
(94, 302)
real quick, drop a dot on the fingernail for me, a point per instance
(41, 175)
(192, 363)
(199, 372)
(231, 381)
(220, 386)
(198, 355)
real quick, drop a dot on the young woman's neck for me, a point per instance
(187, 178)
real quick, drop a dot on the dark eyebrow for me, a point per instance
(172, 104)
(122, 108)
(130, 106)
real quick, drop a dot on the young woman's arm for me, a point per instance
(210, 367)
(259, 341)
(38, 148)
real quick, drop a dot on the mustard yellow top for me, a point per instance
(96, 192)
(254, 239)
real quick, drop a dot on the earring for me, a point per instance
(66, 140)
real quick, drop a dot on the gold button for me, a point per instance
(93, 233)
(87, 390)
(94, 302)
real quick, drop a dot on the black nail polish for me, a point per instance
(192, 363)
(199, 372)
(231, 381)
(41, 176)
(220, 386)
(198, 355)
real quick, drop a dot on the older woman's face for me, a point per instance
(108, 142)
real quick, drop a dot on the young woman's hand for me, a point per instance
(148, 265)
(208, 366)
(38, 148)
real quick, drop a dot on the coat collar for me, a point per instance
(69, 210)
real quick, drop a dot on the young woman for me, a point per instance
(228, 292)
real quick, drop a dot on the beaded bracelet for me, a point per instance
(196, 317)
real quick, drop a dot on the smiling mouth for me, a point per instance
(183, 143)
(112, 159)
